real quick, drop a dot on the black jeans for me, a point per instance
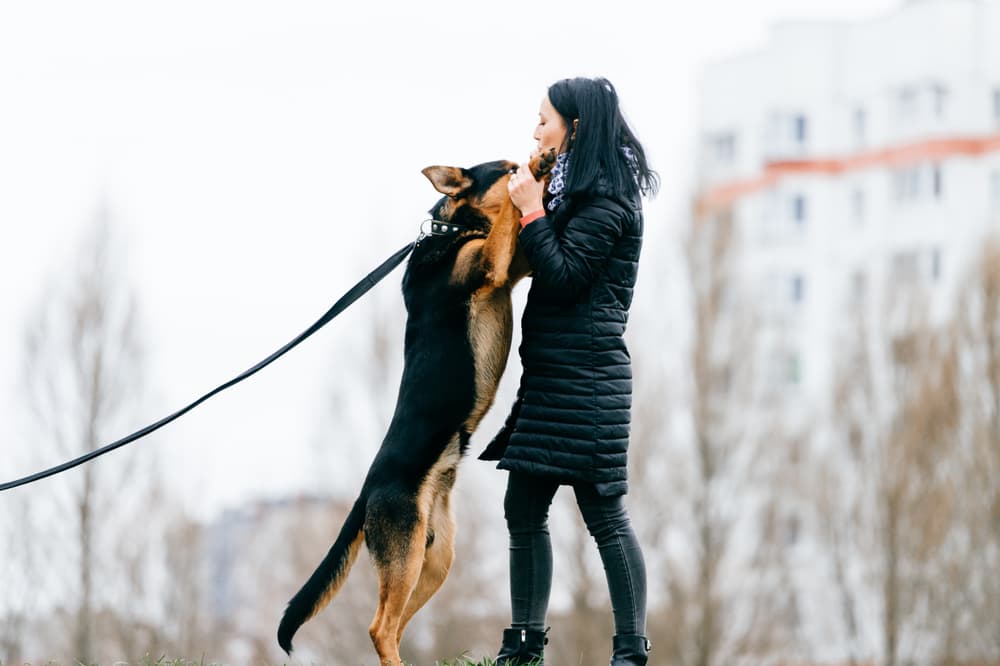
(526, 508)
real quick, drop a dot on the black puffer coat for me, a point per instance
(573, 411)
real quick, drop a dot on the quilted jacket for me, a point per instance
(572, 415)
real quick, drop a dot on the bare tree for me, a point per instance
(730, 420)
(896, 409)
(656, 481)
(259, 555)
(21, 576)
(974, 606)
(188, 629)
(709, 251)
(83, 375)
(831, 486)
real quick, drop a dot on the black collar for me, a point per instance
(439, 228)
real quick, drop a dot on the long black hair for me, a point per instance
(601, 136)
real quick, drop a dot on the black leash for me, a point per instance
(356, 292)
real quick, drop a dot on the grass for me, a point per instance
(465, 661)
(164, 661)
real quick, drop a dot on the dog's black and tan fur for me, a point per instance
(458, 335)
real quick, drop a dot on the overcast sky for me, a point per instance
(258, 157)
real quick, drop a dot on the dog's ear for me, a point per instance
(450, 181)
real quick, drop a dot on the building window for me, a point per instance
(939, 95)
(906, 103)
(858, 206)
(937, 176)
(905, 267)
(786, 134)
(906, 182)
(769, 216)
(783, 368)
(859, 286)
(772, 132)
(900, 181)
(913, 182)
(799, 210)
(723, 147)
(800, 125)
(793, 369)
(936, 264)
(860, 126)
(996, 106)
(798, 288)
(792, 530)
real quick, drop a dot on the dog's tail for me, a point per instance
(328, 577)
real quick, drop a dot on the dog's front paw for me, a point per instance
(542, 163)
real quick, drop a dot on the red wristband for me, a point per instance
(531, 217)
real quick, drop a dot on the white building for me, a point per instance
(851, 154)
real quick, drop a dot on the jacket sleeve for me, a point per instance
(498, 445)
(570, 262)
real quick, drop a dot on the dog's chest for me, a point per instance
(490, 329)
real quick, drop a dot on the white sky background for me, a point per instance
(259, 157)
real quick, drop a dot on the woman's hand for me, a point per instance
(525, 191)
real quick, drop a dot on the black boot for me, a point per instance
(630, 650)
(522, 647)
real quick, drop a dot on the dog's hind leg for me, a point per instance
(397, 580)
(396, 534)
(437, 558)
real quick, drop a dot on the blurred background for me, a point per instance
(815, 454)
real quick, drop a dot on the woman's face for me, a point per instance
(551, 130)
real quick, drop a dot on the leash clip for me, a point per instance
(423, 232)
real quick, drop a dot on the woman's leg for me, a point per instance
(608, 522)
(526, 508)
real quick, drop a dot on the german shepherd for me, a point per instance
(457, 292)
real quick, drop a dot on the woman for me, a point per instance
(570, 423)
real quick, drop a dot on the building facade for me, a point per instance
(852, 155)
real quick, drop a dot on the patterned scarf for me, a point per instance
(557, 183)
